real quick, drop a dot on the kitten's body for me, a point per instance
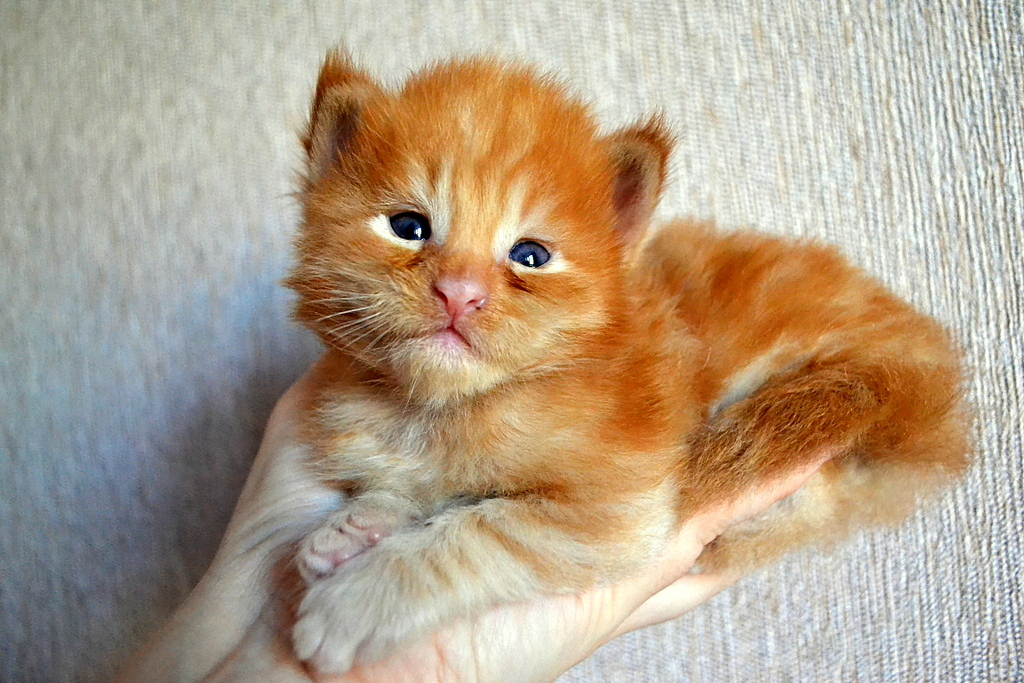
(505, 430)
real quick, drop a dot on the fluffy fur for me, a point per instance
(554, 434)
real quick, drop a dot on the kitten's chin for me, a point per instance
(444, 367)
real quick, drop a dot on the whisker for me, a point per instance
(355, 323)
(412, 389)
(377, 339)
(340, 298)
(371, 329)
(346, 312)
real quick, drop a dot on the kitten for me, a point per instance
(527, 388)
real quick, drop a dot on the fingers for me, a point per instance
(282, 498)
(263, 655)
(675, 600)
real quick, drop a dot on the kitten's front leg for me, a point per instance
(462, 562)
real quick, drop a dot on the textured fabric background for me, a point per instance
(146, 155)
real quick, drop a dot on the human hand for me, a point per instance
(535, 641)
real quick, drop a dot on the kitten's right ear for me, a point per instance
(640, 157)
(342, 90)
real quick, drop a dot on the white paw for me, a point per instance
(357, 615)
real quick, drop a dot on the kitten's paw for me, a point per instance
(347, 533)
(356, 616)
(319, 643)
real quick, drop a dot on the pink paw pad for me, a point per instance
(331, 546)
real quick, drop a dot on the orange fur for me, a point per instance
(596, 400)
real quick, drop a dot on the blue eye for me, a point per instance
(529, 254)
(411, 226)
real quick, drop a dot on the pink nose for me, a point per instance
(460, 296)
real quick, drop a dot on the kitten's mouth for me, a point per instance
(451, 338)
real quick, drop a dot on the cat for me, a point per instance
(527, 386)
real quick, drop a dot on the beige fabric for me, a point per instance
(146, 155)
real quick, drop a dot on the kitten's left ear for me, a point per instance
(640, 156)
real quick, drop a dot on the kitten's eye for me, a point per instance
(411, 226)
(529, 254)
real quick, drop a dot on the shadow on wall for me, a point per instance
(136, 437)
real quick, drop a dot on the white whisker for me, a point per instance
(345, 312)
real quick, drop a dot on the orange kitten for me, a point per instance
(527, 388)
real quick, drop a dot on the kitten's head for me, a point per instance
(470, 228)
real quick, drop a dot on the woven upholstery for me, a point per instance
(146, 155)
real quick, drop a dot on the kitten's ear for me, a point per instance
(342, 90)
(640, 156)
